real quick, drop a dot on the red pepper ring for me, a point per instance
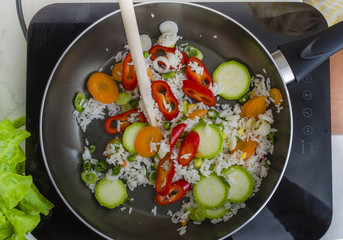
(124, 124)
(163, 96)
(129, 77)
(189, 147)
(204, 78)
(158, 50)
(198, 92)
(176, 134)
(177, 190)
(165, 174)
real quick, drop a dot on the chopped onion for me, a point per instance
(146, 42)
(158, 67)
(169, 27)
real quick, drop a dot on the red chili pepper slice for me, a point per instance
(189, 147)
(177, 190)
(158, 50)
(176, 133)
(124, 124)
(163, 96)
(198, 92)
(129, 77)
(203, 77)
(165, 174)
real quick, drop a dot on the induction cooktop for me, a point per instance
(301, 207)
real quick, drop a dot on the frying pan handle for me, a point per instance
(306, 54)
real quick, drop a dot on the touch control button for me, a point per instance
(307, 112)
(307, 95)
(307, 79)
(308, 130)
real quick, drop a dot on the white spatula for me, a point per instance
(132, 35)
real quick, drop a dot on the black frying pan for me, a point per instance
(62, 140)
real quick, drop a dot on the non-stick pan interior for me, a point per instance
(220, 39)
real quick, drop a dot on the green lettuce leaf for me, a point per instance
(35, 203)
(20, 201)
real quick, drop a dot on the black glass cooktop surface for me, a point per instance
(301, 208)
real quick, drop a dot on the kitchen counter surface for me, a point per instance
(13, 91)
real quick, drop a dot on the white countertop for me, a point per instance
(13, 90)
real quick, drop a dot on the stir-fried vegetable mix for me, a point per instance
(213, 156)
(20, 201)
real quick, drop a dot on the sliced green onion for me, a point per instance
(125, 107)
(183, 135)
(131, 158)
(271, 137)
(123, 98)
(91, 148)
(79, 101)
(146, 54)
(168, 75)
(86, 166)
(201, 120)
(244, 99)
(193, 52)
(266, 164)
(152, 176)
(221, 126)
(184, 106)
(156, 161)
(116, 170)
(197, 162)
(117, 143)
(212, 114)
(134, 104)
(101, 166)
(89, 177)
(166, 126)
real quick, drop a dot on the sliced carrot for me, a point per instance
(247, 147)
(102, 87)
(117, 71)
(197, 113)
(183, 222)
(255, 106)
(198, 155)
(276, 95)
(144, 138)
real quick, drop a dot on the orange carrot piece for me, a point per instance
(198, 155)
(247, 147)
(143, 139)
(197, 113)
(150, 75)
(276, 95)
(255, 106)
(102, 87)
(124, 164)
(117, 71)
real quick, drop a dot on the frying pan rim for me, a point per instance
(138, 5)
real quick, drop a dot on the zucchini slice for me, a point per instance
(210, 192)
(241, 183)
(234, 79)
(216, 213)
(110, 194)
(211, 140)
(130, 134)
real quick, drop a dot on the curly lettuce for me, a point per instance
(21, 203)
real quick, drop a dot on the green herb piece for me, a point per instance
(244, 99)
(86, 166)
(168, 75)
(146, 54)
(271, 137)
(197, 162)
(152, 176)
(101, 166)
(212, 114)
(134, 104)
(166, 126)
(131, 158)
(91, 148)
(116, 170)
(79, 101)
(89, 177)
